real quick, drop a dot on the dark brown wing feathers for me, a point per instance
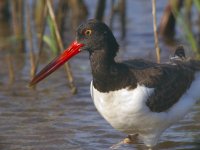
(173, 84)
(169, 81)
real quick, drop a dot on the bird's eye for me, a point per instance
(88, 32)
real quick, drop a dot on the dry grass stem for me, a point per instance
(61, 47)
(18, 25)
(30, 40)
(40, 37)
(10, 69)
(155, 31)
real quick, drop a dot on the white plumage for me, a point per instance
(126, 110)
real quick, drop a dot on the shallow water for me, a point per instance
(51, 118)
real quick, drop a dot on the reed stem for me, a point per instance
(10, 69)
(30, 39)
(155, 31)
(61, 47)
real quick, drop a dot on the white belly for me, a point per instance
(126, 110)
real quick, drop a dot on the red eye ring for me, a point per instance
(87, 32)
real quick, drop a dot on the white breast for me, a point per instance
(126, 110)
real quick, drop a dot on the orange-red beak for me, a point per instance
(71, 51)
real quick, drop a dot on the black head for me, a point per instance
(95, 36)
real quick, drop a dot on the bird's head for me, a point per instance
(92, 36)
(96, 35)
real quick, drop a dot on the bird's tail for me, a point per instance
(179, 54)
(179, 57)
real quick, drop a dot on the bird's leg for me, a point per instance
(130, 139)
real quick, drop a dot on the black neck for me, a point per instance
(107, 74)
(101, 64)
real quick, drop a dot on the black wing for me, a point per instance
(169, 81)
(173, 83)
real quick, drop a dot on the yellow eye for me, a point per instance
(88, 32)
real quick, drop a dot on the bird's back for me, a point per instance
(170, 80)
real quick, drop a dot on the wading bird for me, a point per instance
(137, 97)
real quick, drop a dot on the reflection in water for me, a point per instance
(5, 33)
(50, 118)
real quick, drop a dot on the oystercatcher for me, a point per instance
(137, 97)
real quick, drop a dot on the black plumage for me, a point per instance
(170, 80)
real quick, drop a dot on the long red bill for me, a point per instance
(72, 50)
